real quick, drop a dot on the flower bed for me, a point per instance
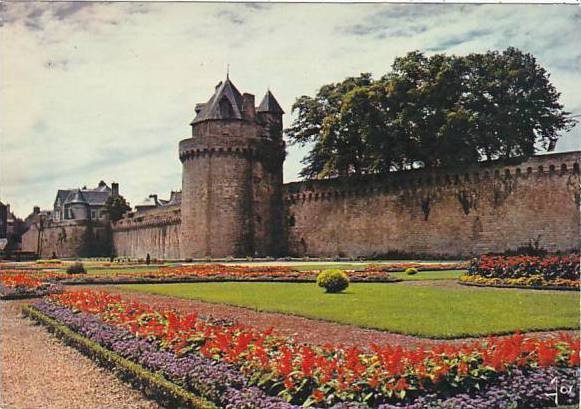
(237, 366)
(525, 271)
(18, 285)
(220, 272)
(199, 273)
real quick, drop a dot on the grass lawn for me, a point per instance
(431, 311)
(429, 275)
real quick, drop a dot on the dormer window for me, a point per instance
(226, 110)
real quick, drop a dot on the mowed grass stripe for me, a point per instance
(437, 312)
(429, 275)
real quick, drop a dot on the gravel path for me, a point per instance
(301, 329)
(38, 372)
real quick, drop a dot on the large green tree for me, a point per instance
(430, 111)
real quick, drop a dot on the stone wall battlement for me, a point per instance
(552, 165)
(149, 218)
(154, 231)
(249, 148)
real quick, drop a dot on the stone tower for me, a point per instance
(232, 177)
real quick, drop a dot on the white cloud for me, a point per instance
(92, 91)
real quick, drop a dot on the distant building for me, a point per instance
(153, 202)
(77, 225)
(83, 204)
(11, 228)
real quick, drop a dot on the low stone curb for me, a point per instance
(151, 384)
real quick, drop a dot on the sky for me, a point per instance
(105, 91)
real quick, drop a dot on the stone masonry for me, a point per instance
(457, 213)
(235, 204)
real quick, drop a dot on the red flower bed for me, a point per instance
(19, 284)
(558, 271)
(19, 280)
(309, 374)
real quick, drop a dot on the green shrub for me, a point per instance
(333, 281)
(76, 268)
(411, 271)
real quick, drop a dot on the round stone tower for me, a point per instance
(232, 178)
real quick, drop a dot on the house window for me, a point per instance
(93, 214)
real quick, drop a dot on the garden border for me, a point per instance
(209, 280)
(152, 385)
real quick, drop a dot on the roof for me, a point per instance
(226, 103)
(175, 198)
(94, 197)
(102, 187)
(76, 196)
(147, 202)
(270, 104)
(62, 194)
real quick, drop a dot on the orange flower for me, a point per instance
(401, 385)
(318, 395)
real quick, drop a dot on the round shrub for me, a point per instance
(76, 268)
(411, 271)
(333, 281)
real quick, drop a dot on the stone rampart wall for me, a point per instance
(455, 214)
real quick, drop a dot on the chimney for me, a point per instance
(114, 189)
(8, 209)
(36, 210)
(154, 197)
(248, 109)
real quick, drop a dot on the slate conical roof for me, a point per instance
(76, 196)
(226, 103)
(270, 104)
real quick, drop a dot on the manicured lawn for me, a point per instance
(429, 275)
(432, 311)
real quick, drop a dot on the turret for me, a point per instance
(77, 206)
(270, 114)
(232, 177)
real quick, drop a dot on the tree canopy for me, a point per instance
(116, 206)
(430, 112)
